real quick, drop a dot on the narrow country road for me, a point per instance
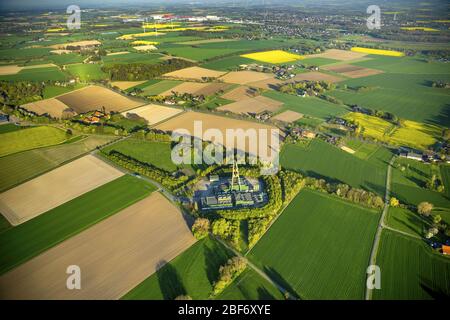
(256, 269)
(376, 242)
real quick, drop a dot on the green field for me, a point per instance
(405, 90)
(14, 54)
(31, 238)
(409, 270)
(132, 57)
(30, 138)
(213, 50)
(36, 74)
(53, 91)
(155, 153)
(318, 61)
(406, 221)
(87, 72)
(250, 286)
(9, 127)
(322, 160)
(310, 106)
(69, 58)
(363, 150)
(333, 239)
(159, 87)
(195, 53)
(445, 174)
(19, 167)
(193, 273)
(409, 184)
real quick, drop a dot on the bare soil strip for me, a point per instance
(196, 88)
(114, 255)
(240, 93)
(76, 44)
(7, 70)
(209, 121)
(352, 71)
(342, 55)
(52, 107)
(244, 77)
(95, 97)
(154, 113)
(317, 76)
(288, 116)
(269, 84)
(54, 188)
(124, 85)
(252, 105)
(195, 73)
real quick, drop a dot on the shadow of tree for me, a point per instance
(278, 278)
(169, 281)
(264, 294)
(432, 291)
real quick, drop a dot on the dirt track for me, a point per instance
(114, 256)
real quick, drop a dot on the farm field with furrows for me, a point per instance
(325, 264)
(154, 153)
(54, 226)
(410, 269)
(314, 160)
(128, 146)
(63, 184)
(106, 253)
(19, 167)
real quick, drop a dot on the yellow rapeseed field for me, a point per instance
(144, 42)
(56, 29)
(273, 56)
(381, 52)
(160, 25)
(139, 35)
(419, 29)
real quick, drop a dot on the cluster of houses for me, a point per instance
(343, 123)
(96, 117)
(426, 157)
(302, 133)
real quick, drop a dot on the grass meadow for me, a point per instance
(333, 239)
(30, 138)
(19, 167)
(193, 273)
(410, 270)
(322, 160)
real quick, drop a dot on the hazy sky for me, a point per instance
(62, 4)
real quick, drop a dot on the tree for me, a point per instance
(394, 202)
(424, 208)
(228, 272)
(437, 218)
(200, 228)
